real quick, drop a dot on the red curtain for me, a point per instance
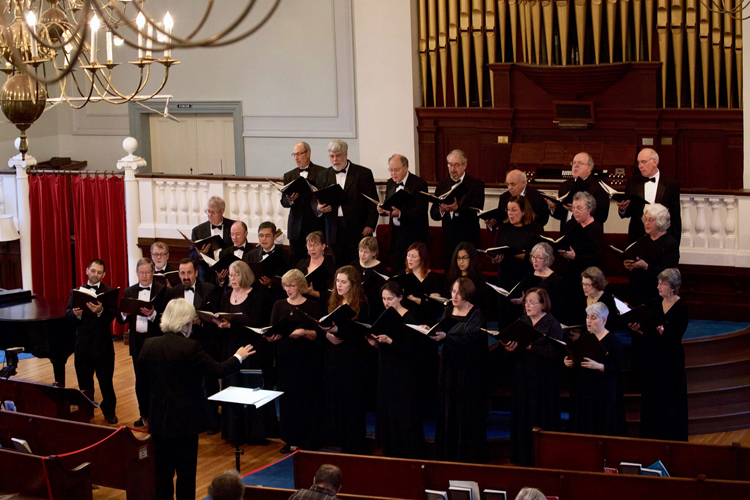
(49, 200)
(99, 227)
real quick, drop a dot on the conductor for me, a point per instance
(171, 395)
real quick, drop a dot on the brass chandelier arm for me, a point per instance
(718, 8)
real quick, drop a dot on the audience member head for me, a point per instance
(238, 233)
(316, 244)
(227, 486)
(596, 317)
(542, 256)
(392, 293)
(463, 290)
(188, 272)
(338, 152)
(530, 494)
(240, 275)
(159, 254)
(670, 281)
(347, 288)
(648, 162)
(96, 271)
(593, 281)
(215, 210)
(537, 301)
(516, 181)
(417, 259)
(145, 270)
(398, 167)
(301, 154)
(583, 206)
(368, 250)
(582, 165)
(294, 282)
(328, 476)
(457, 163)
(656, 219)
(519, 211)
(178, 317)
(267, 235)
(464, 262)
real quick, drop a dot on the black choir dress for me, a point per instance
(664, 407)
(511, 269)
(535, 399)
(588, 244)
(323, 283)
(660, 254)
(398, 426)
(552, 284)
(578, 316)
(240, 424)
(596, 409)
(300, 365)
(345, 376)
(461, 423)
(371, 284)
(481, 296)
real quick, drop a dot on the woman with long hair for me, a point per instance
(465, 263)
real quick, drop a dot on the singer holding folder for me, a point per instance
(536, 391)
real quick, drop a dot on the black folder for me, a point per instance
(628, 253)
(341, 314)
(587, 346)
(240, 318)
(578, 186)
(518, 331)
(492, 213)
(387, 323)
(332, 195)
(443, 325)
(643, 315)
(456, 192)
(221, 264)
(300, 185)
(619, 196)
(506, 250)
(133, 306)
(410, 283)
(216, 242)
(283, 327)
(563, 242)
(399, 199)
(107, 299)
(319, 273)
(173, 277)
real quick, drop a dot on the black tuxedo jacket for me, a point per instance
(168, 268)
(464, 226)
(203, 230)
(249, 247)
(206, 296)
(169, 385)
(137, 338)
(302, 218)
(667, 193)
(414, 222)
(93, 333)
(595, 189)
(538, 205)
(277, 262)
(358, 211)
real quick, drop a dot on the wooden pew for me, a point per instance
(263, 493)
(33, 476)
(395, 478)
(47, 400)
(558, 450)
(119, 457)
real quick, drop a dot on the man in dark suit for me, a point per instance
(302, 218)
(94, 351)
(650, 184)
(160, 256)
(518, 186)
(146, 323)
(582, 167)
(170, 393)
(240, 247)
(346, 225)
(460, 221)
(216, 224)
(205, 297)
(274, 259)
(409, 225)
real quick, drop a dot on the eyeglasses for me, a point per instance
(160, 254)
(579, 208)
(578, 163)
(299, 154)
(214, 212)
(463, 258)
(454, 165)
(537, 257)
(586, 285)
(531, 302)
(144, 273)
(397, 169)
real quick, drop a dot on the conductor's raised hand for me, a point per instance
(245, 351)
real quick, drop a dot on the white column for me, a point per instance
(24, 212)
(129, 164)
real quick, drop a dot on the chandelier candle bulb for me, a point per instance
(31, 21)
(168, 25)
(148, 40)
(110, 59)
(94, 29)
(140, 21)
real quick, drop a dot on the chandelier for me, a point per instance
(51, 51)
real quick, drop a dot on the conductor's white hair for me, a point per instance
(179, 312)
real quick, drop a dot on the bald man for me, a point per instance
(649, 183)
(302, 218)
(582, 167)
(518, 186)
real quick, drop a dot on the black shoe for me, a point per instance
(139, 423)
(286, 448)
(112, 419)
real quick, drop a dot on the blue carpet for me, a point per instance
(279, 474)
(698, 328)
(23, 355)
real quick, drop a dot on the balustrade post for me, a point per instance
(687, 223)
(730, 225)
(129, 164)
(161, 202)
(195, 209)
(184, 215)
(233, 205)
(700, 223)
(24, 212)
(715, 227)
(202, 216)
(172, 218)
(244, 203)
(257, 207)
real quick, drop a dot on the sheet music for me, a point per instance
(243, 395)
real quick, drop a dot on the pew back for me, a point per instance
(262, 493)
(48, 401)
(43, 477)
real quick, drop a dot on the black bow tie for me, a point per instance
(399, 184)
(456, 182)
(142, 288)
(651, 179)
(92, 287)
(216, 227)
(342, 171)
(190, 289)
(304, 169)
(240, 248)
(267, 252)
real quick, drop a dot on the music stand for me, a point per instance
(244, 397)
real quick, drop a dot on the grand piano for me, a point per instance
(39, 326)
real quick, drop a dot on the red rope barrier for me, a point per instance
(272, 463)
(46, 478)
(90, 446)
